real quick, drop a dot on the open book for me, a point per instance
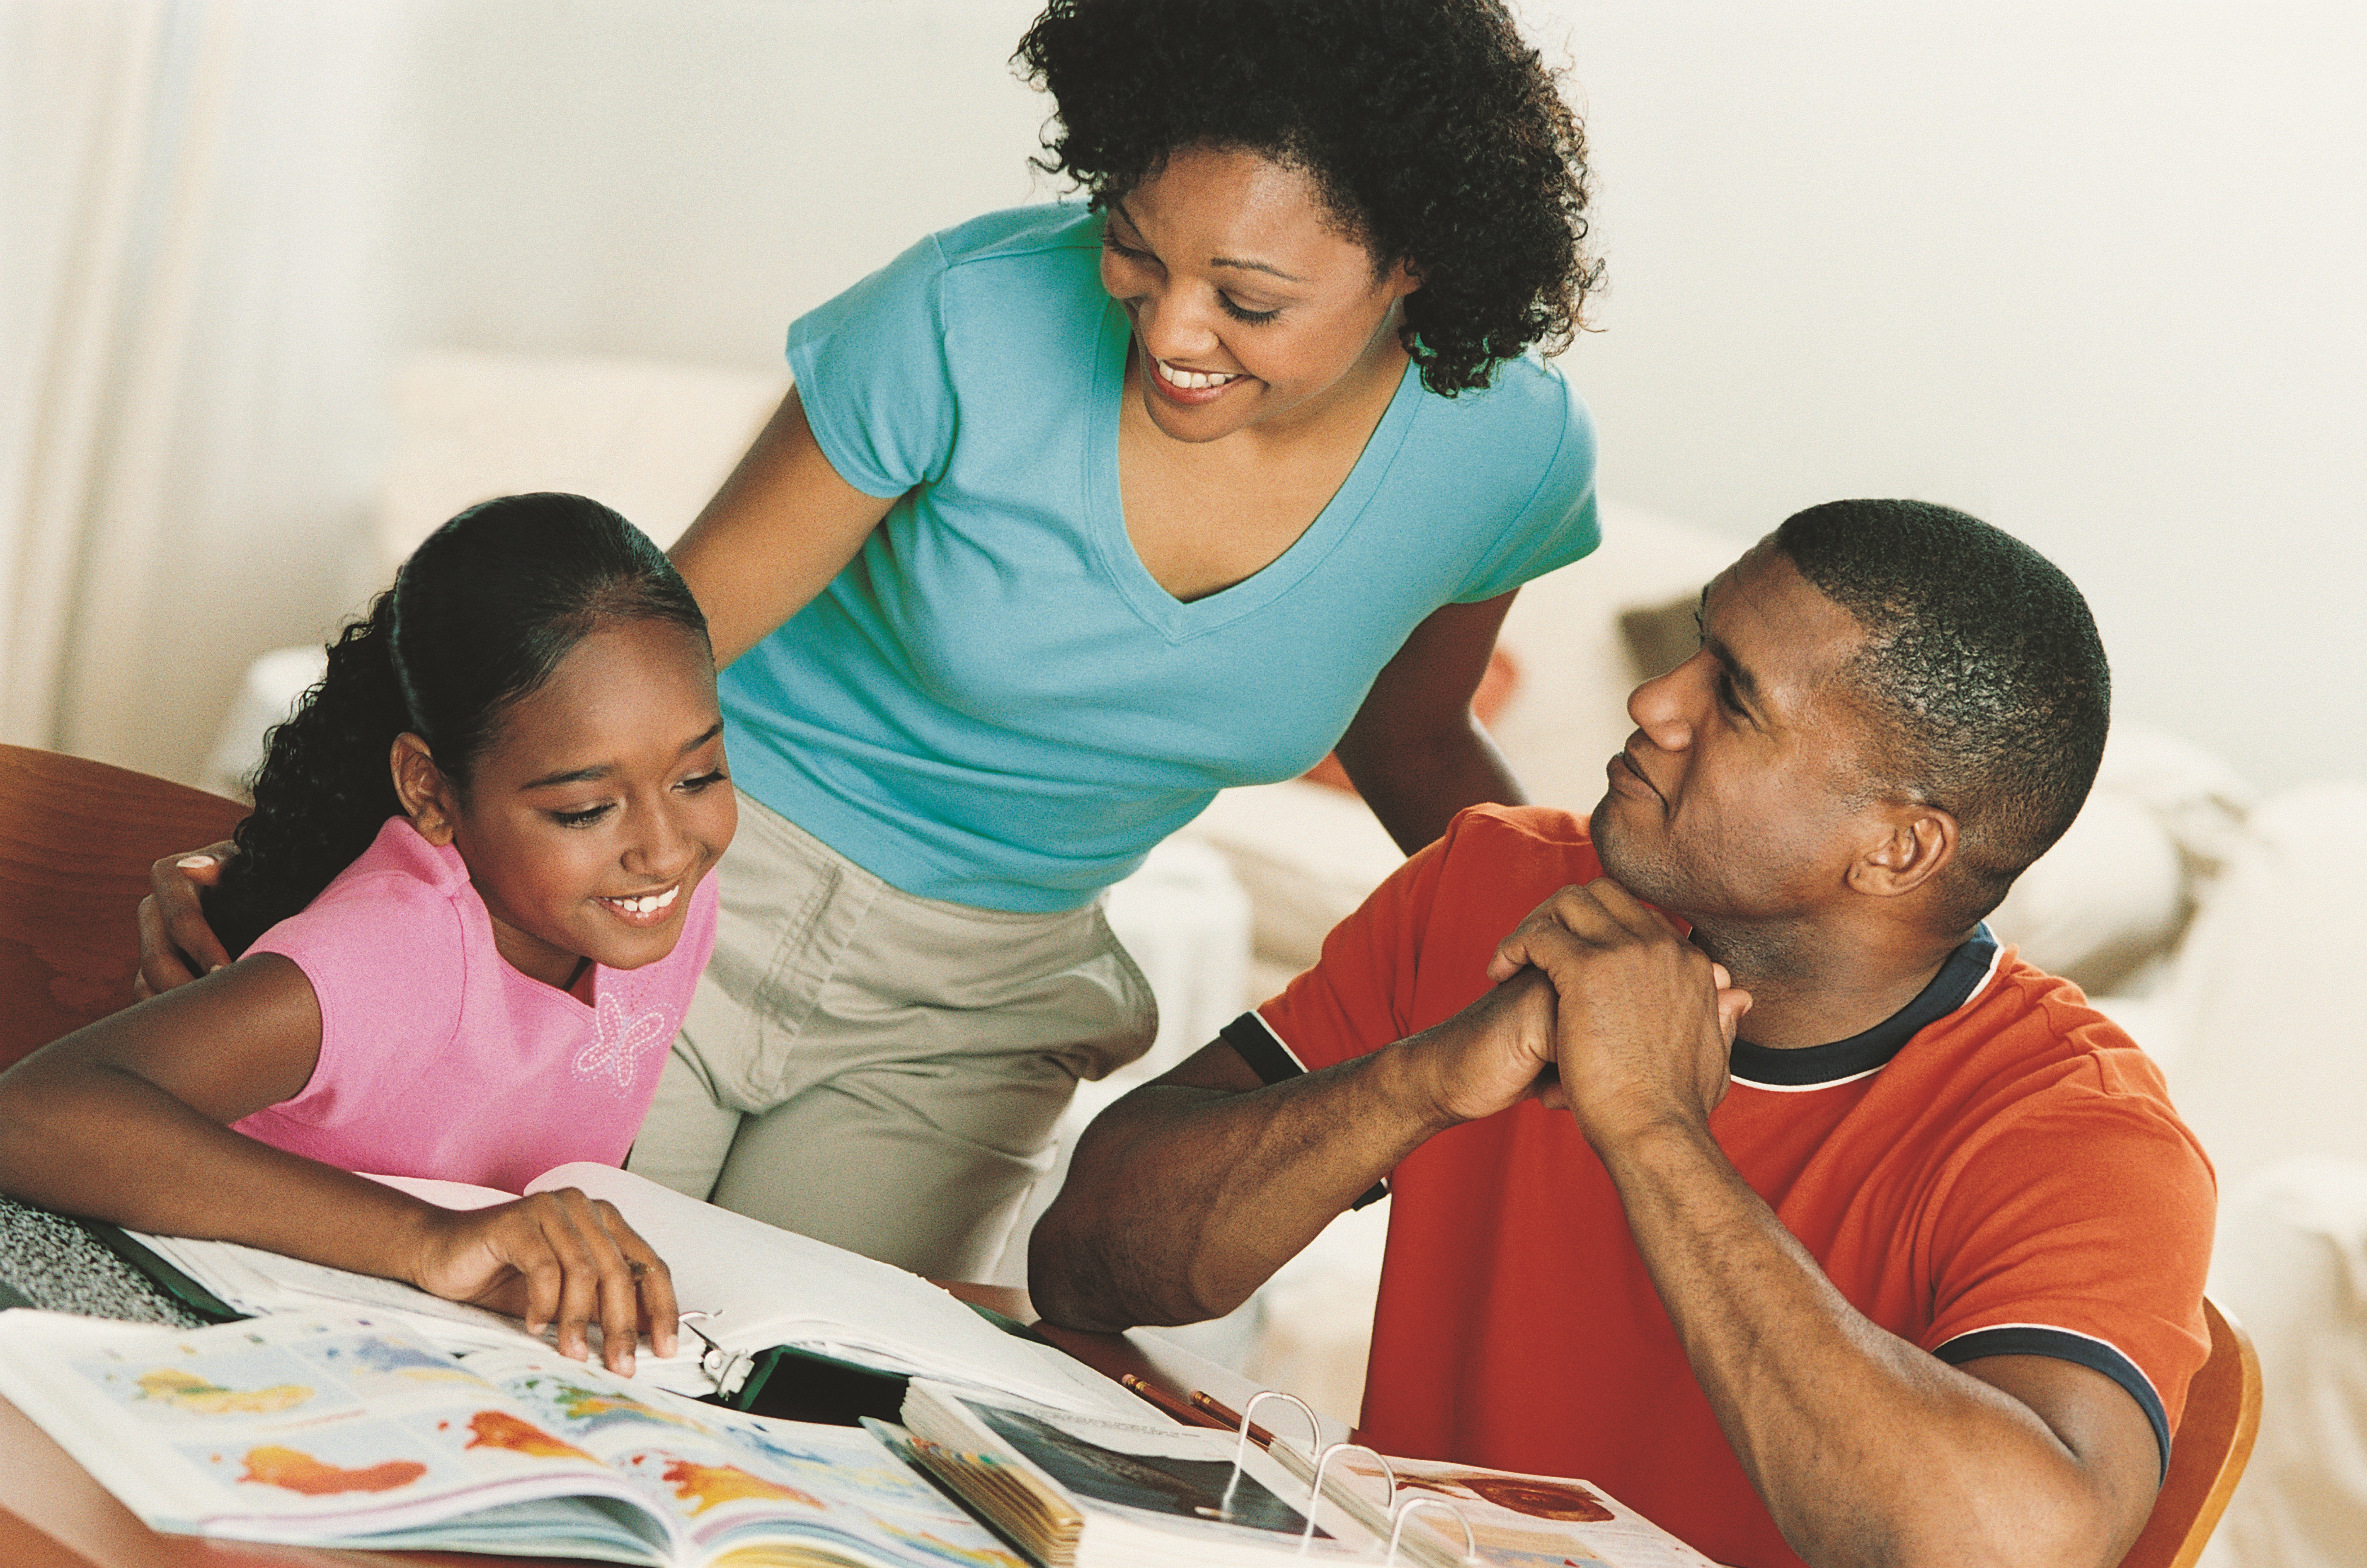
(322, 1430)
(745, 1285)
(1091, 1491)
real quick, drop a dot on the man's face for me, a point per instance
(1739, 795)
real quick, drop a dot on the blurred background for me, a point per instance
(2088, 270)
(285, 282)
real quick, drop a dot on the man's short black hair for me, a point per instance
(1981, 664)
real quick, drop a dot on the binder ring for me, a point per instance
(716, 1361)
(1241, 1448)
(1315, 1487)
(1404, 1509)
(1313, 1425)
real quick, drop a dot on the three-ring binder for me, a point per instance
(1398, 1509)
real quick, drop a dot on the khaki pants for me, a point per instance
(879, 1071)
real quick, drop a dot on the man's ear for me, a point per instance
(428, 797)
(1915, 842)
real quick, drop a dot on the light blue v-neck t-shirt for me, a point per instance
(995, 704)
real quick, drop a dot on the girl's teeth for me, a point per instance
(649, 903)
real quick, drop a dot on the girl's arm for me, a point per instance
(1413, 750)
(775, 535)
(127, 1120)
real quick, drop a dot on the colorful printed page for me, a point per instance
(732, 1481)
(305, 1428)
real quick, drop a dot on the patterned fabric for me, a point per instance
(49, 1261)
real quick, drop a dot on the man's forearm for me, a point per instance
(1180, 1200)
(1866, 1448)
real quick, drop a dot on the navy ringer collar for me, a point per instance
(1815, 1066)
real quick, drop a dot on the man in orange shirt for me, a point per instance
(1909, 1271)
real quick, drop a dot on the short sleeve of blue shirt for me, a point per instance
(877, 350)
(994, 703)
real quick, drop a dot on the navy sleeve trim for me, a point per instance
(1267, 1057)
(2032, 1340)
(1271, 1060)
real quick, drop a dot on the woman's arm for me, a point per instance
(775, 535)
(1413, 750)
(127, 1120)
(176, 943)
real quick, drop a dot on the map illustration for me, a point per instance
(591, 1410)
(249, 1384)
(499, 1430)
(189, 1391)
(273, 1465)
(374, 1364)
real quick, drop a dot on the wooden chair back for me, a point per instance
(76, 840)
(2207, 1457)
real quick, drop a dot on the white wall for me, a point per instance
(2087, 269)
(681, 180)
(2090, 270)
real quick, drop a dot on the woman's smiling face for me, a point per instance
(1251, 307)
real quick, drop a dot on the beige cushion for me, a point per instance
(2271, 1060)
(2116, 892)
(2108, 897)
(652, 440)
(2292, 1267)
(1305, 855)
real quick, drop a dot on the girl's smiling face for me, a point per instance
(599, 803)
(1250, 305)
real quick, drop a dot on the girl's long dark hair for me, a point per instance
(478, 616)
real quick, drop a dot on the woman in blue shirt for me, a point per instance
(1080, 512)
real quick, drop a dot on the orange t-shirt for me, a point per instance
(1996, 1170)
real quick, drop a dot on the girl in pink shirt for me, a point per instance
(470, 902)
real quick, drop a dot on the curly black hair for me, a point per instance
(1434, 133)
(478, 616)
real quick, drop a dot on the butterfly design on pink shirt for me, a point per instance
(620, 1040)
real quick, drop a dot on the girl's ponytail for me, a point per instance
(324, 789)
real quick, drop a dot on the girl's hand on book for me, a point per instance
(556, 1257)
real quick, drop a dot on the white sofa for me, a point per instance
(2220, 928)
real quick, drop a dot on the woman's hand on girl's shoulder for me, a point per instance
(176, 943)
(556, 1258)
